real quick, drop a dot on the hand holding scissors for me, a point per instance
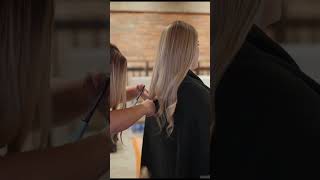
(140, 94)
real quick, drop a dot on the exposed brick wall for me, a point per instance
(137, 34)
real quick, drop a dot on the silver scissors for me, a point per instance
(84, 123)
(139, 95)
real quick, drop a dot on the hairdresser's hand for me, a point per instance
(149, 107)
(145, 95)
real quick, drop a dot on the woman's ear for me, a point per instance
(269, 13)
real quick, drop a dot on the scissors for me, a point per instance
(139, 95)
(155, 101)
(84, 123)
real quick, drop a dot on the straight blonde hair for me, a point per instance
(118, 82)
(233, 20)
(175, 56)
(118, 78)
(25, 49)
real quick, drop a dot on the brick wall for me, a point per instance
(137, 34)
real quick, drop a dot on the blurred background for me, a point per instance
(80, 38)
(299, 34)
(135, 27)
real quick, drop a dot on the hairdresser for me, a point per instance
(121, 117)
(30, 108)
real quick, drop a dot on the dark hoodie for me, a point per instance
(267, 116)
(185, 153)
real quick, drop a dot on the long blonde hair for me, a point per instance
(25, 48)
(118, 82)
(118, 78)
(175, 56)
(233, 20)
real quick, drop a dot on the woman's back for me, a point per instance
(267, 111)
(185, 153)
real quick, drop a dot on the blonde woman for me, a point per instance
(121, 117)
(176, 141)
(28, 103)
(266, 109)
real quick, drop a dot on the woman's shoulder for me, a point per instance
(254, 72)
(193, 90)
(254, 67)
(190, 85)
(193, 103)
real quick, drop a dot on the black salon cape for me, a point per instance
(268, 116)
(186, 152)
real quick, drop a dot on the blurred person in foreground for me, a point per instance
(266, 109)
(32, 103)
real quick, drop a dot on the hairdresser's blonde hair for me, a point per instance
(26, 29)
(175, 56)
(233, 20)
(118, 82)
(118, 78)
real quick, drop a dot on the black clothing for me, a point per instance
(267, 116)
(186, 152)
